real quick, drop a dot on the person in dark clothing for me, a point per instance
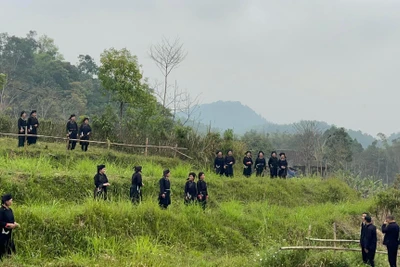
(72, 131)
(7, 224)
(190, 189)
(202, 191)
(229, 162)
(22, 125)
(273, 165)
(370, 240)
(282, 164)
(136, 187)
(33, 125)
(247, 164)
(362, 235)
(260, 165)
(219, 164)
(85, 131)
(391, 230)
(164, 198)
(101, 183)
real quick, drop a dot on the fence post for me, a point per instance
(309, 234)
(334, 233)
(176, 147)
(26, 138)
(108, 144)
(145, 149)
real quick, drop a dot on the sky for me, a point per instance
(337, 61)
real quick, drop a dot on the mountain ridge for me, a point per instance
(223, 115)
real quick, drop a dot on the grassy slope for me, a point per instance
(248, 219)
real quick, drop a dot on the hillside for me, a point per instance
(222, 115)
(246, 222)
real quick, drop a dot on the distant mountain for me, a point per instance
(222, 115)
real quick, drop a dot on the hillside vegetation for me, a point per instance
(247, 221)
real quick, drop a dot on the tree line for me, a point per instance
(124, 106)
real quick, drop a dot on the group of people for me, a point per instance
(30, 127)
(368, 239)
(193, 192)
(278, 167)
(27, 126)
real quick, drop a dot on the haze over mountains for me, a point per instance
(222, 115)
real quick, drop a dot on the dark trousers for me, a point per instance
(392, 255)
(203, 202)
(32, 139)
(84, 144)
(166, 201)
(72, 144)
(7, 246)
(102, 193)
(282, 173)
(364, 255)
(220, 171)
(371, 257)
(273, 172)
(259, 172)
(229, 171)
(21, 141)
(135, 194)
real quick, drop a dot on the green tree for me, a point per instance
(120, 74)
(338, 151)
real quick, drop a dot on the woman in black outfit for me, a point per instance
(260, 164)
(229, 162)
(136, 187)
(33, 124)
(190, 189)
(72, 132)
(282, 163)
(101, 183)
(247, 164)
(273, 165)
(85, 131)
(22, 124)
(219, 164)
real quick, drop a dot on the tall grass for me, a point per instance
(246, 222)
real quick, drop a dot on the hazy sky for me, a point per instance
(337, 61)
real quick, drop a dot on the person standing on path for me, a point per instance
(391, 230)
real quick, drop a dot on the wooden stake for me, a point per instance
(26, 138)
(145, 149)
(176, 148)
(334, 233)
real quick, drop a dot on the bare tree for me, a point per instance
(167, 55)
(307, 135)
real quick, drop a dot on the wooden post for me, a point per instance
(26, 138)
(309, 234)
(108, 144)
(176, 147)
(334, 233)
(145, 149)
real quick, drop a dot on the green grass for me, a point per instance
(247, 221)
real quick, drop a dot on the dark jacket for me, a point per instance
(229, 159)
(85, 129)
(165, 186)
(31, 125)
(260, 163)
(273, 162)
(391, 232)
(370, 240)
(137, 179)
(100, 179)
(362, 234)
(219, 163)
(6, 217)
(21, 125)
(202, 188)
(191, 190)
(72, 127)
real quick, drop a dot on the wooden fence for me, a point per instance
(146, 146)
(334, 241)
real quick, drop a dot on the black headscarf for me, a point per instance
(138, 168)
(100, 167)
(166, 172)
(70, 117)
(5, 198)
(33, 111)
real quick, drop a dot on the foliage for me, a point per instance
(245, 224)
(119, 73)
